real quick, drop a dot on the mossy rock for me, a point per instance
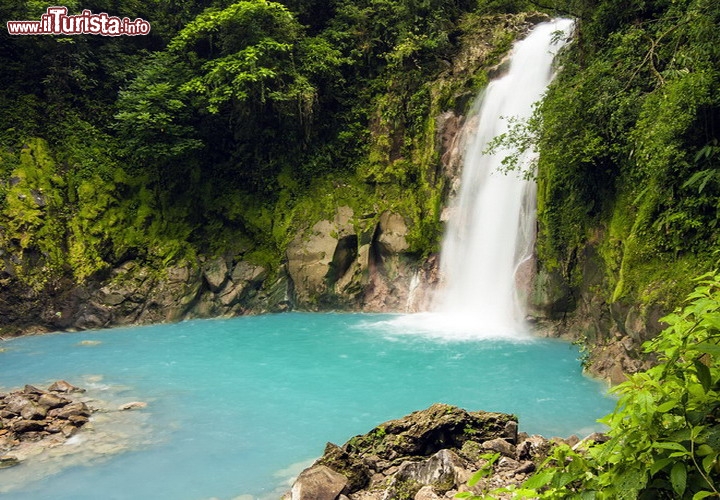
(425, 432)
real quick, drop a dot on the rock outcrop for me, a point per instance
(612, 333)
(427, 455)
(33, 415)
(356, 262)
(134, 294)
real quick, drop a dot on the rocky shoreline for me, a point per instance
(47, 430)
(45, 418)
(427, 455)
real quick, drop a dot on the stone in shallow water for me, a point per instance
(72, 410)
(63, 386)
(33, 412)
(89, 342)
(51, 401)
(15, 403)
(133, 405)
(31, 389)
(8, 461)
(22, 426)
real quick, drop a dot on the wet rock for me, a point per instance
(133, 405)
(8, 461)
(15, 403)
(65, 387)
(78, 420)
(354, 468)
(426, 432)
(431, 454)
(32, 390)
(309, 257)
(68, 430)
(33, 412)
(113, 299)
(23, 426)
(318, 483)
(398, 458)
(245, 271)
(77, 409)
(327, 262)
(89, 342)
(42, 418)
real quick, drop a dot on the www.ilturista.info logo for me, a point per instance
(56, 21)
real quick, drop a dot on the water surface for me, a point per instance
(238, 406)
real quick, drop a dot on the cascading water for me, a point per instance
(492, 228)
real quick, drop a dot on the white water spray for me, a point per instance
(492, 227)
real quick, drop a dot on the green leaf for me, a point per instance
(538, 480)
(702, 494)
(678, 478)
(659, 465)
(704, 450)
(703, 374)
(666, 407)
(707, 348)
(669, 446)
(708, 462)
(713, 319)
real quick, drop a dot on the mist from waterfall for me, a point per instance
(492, 227)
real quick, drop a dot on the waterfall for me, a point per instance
(492, 227)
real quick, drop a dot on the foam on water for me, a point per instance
(449, 327)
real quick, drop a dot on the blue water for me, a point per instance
(236, 406)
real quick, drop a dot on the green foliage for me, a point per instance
(232, 126)
(627, 138)
(32, 214)
(665, 431)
